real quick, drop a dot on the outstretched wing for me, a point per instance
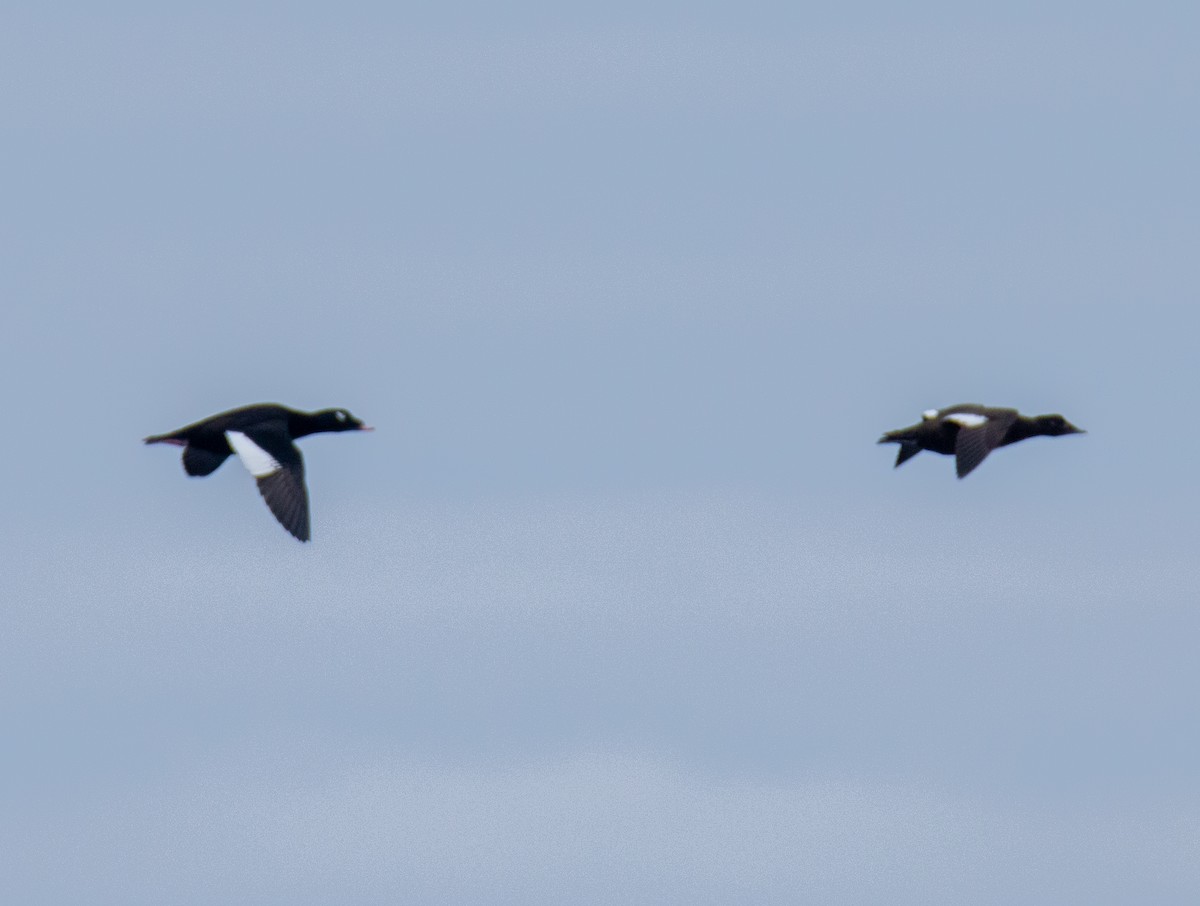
(199, 461)
(269, 455)
(978, 435)
(907, 451)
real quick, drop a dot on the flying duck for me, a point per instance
(262, 436)
(971, 432)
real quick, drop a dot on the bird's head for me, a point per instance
(339, 420)
(1055, 425)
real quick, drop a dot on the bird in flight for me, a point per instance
(970, 433)
(262, 437)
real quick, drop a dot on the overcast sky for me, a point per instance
(621, 602)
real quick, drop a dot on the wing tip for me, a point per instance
(287, 499)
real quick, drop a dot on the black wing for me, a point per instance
(285, 494)
(275, 462)
(907, 451)
(202, 461)
(974, 444)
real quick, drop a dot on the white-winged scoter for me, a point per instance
(971, 432)
(262, 436)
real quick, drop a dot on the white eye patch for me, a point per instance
(257, 461)
(967, 419)
(341, 416)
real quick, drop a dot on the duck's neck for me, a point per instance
(301, 424)
(1022, 428)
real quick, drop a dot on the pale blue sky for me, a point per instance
(621, 602)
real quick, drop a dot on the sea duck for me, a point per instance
(262, 436)
(971, 432)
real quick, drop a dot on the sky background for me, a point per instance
(621, 602)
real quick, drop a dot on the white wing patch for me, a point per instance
(929, 414)
(967, 419)
(257, 461)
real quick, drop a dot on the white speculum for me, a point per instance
(257, 461)
(967, 419)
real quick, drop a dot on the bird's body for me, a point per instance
(262, 436)
(970, 432)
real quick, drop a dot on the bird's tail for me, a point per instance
(165, 439)
(908, 444)
(899, 436)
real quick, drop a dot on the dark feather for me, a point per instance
(287, 498)
(906, 452)
(972, 445)
(284, 490)
(199, 461)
